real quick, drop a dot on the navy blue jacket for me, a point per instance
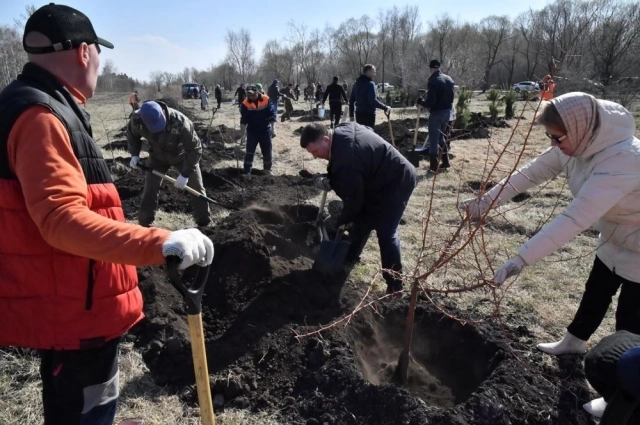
(439, 93)
(258, 115)
(366, 172)
(274, 93)
(363, 96)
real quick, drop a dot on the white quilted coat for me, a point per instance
(605, 182)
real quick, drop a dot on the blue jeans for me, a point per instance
(385, 223)
(253, 140)
(437, 129)
(80, 387)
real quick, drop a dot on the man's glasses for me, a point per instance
(557, 139)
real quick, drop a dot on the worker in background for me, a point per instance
(439, 102)
(336, 94)
(363, 100)
(257, 116)
(173, 142)
(134, 100)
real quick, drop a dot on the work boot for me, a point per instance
(569, 344)
(595, 407)
(282, 118)
(267, 172)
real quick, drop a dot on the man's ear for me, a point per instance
(83, 54)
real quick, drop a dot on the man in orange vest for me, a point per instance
(68, 285)
(134, 100)
(548, 87)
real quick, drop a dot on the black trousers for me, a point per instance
(600, 288)
(601, 363)
(366, 119)
(80, 387)
(335, 111)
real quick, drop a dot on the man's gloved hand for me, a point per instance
(388, 110)
(134, 162)
(512, 267)
(476, 207)
(322, 183)
(181, 182)
(191, 246)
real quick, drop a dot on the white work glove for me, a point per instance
(181, 182)
(191, 246)
(387, 110)
(321, 183)
(134, 162)
(477, 207)
(512, 267)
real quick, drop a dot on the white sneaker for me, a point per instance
(568, 344)
(596, 407)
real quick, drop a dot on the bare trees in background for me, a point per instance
(595, 41)
(241, 53)
(12, 57)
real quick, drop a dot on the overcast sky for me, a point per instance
(168, 35)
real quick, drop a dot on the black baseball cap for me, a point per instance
(435, 63)
(65, 26)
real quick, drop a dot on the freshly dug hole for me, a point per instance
(448, 363)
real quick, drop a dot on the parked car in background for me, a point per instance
(526, 85)
(188, 89)
(387, 86)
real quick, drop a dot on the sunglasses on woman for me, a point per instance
(557, 139)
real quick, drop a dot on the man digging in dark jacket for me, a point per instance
(336, 94)
(374, 182)
(364, 99)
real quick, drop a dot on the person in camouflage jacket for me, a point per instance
(172, 142)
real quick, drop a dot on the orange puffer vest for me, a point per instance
(50, 299)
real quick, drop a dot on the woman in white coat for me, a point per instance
(593, 143)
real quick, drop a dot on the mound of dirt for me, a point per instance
(261, 292)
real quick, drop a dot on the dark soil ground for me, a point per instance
(261, 292)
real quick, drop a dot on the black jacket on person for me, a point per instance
(335, 92)
(218, 93)
(364, 99)
(366, 172)
(241, 93)
(439, 93)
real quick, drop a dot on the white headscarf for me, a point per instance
(579, 113)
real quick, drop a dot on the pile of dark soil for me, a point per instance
(261, 292)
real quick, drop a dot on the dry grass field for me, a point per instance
(546, 295)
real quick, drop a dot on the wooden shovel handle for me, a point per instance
(196, 335)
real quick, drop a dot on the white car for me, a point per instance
(387, 86)
(526, 85)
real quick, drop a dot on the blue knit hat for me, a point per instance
(152, 116)
(629, 371)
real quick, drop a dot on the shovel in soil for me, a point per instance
(332, 253)
(207, 142)
(393, 142)
(187, 188)
(192, 295)
(414, 155)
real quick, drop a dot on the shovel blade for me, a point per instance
(413, 157)
(331, 256)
